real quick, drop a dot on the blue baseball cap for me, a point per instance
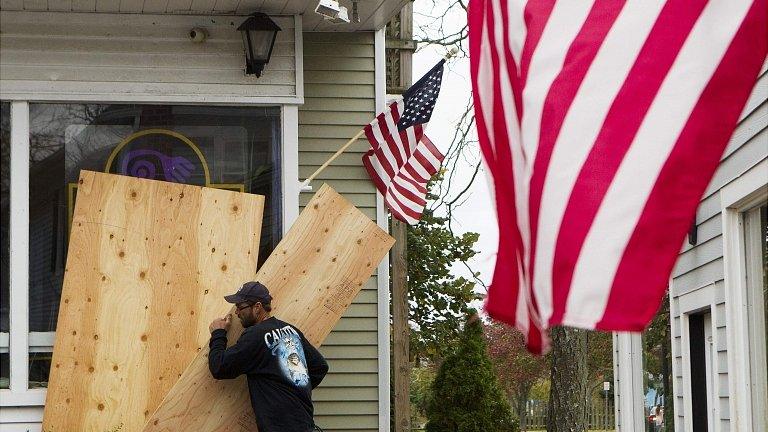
(250, 292)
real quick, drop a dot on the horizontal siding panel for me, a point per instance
(706, 230)
(344, 186)
(703, 253)
(315, 159)
(312, 103)
(337, 63)
(350, 380)
(349, 351)
(759, 93)
(328, 131)
(334, 77)
(364, 38)
(176, 28)
(330, 145)
(333, 172)
(43, 44)
(346, 394)
(359, 119)
(139, 75)
(708, 208)
(706, 274)
(754, 123)
(134, 20)
(752, 152)
(356, 310)
(360, 91)
(347, 421)
(332, 49)
(345, 408)
(215, 92)
(346, 365)
(356, 324)
(346, 337)
(223, 61)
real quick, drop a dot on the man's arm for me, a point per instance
(317, 367)
(228, 363)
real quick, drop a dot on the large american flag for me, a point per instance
(602, 122)
(402, 159)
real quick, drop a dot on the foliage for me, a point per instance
(466, 397)
(516, 368)
(438, 299)
(422, 378)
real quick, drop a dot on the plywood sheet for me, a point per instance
(147, 265)
(313, 275)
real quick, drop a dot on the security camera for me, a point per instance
(331, 11)
(198, 35)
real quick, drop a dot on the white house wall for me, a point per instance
(698, 277)
(139, 58)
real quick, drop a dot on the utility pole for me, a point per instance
(399, 50)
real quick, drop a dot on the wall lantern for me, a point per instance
(259, 34)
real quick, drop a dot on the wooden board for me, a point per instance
(313, 275)
(147, 265)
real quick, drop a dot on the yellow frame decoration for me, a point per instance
(72, 187)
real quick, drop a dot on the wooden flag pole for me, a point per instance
(332, 158)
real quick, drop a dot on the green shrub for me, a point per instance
(466, 396)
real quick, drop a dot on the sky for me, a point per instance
(477, 214)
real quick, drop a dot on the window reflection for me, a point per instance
(5, 185)
(226, 147)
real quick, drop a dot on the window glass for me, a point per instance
(657, 372)
(5, 186)
(235, 148)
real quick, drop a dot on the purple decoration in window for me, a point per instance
(145, 163)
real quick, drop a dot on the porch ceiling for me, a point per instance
(374, 14)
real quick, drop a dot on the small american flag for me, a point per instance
(602, 123)
(402, 159)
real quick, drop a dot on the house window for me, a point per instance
(234, 148)
(5, 183)
(756, 290)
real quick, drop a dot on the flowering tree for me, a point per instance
(516, 369)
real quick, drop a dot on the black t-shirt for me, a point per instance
(282, 369)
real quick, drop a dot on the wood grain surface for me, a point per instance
(147, 264)
(313, 275)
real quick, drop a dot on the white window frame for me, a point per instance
(743, 194)
(20, 342)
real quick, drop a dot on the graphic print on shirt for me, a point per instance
(285, 344)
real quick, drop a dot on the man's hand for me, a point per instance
(221, 323)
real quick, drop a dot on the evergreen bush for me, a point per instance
(466, 397)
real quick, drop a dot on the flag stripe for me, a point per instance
(639, 170)
(501, 121)
(706, 134)
(629, 108)
(582, 125)
(561, 94)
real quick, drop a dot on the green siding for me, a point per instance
(339, 94)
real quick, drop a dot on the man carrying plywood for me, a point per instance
(281, 365)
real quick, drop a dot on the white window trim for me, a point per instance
(383, 269)
(20, 341)
(742, 194)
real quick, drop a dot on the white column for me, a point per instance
(19, 248)
(628, 379)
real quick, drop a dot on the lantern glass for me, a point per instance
(259, 33)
